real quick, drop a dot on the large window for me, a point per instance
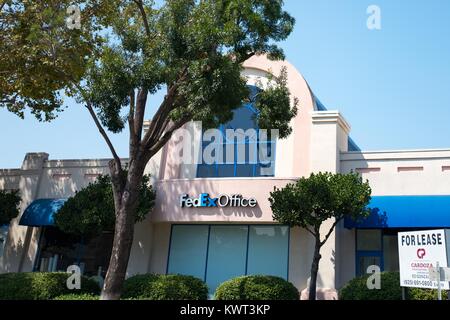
(216, 253)
(251, 157)
(58, 250)
(3, 236)
(376, 247)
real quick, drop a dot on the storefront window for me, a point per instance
(216, 253)
(188, 250)
(267, 250)
(369, 250)
(368, 240)
(227, 254)
(59, 250)
(3, 235)
(376, 247)
(390, 253)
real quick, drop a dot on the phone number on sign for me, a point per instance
(418, 283)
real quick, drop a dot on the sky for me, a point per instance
(391, 84)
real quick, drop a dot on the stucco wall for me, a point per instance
(421, 172)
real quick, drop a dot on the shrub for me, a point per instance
(40, 285)
(257, 287)
(424, 294)
(74, 296)
(165, 287)
(356, 289)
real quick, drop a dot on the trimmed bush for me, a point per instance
(165, 287)
(40, 285)
(424, 294)
(74, 296)
(356, 289)
(257, 287)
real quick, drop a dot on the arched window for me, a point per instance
(247, 146)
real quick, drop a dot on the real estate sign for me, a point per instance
(418, 252)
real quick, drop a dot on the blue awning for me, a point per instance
(40, 212)
(405, 212)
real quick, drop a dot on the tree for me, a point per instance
(9, 205)
(91, 210)
(192, 49)
(311, 201)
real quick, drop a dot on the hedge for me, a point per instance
(74, 296)
(356, 289)
(165, 287)
(40, 285)
(257, 287)
(424, 294)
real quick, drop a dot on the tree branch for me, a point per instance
(144, 16)
(330, 231)
(131, 116)
(2, 5)
(160, 117)
(140, 110)
(310, 231)
(151, 150)
(104, 135)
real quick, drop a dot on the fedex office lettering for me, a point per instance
(223, 200)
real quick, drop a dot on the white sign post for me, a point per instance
(424, 258)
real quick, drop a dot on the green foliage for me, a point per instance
(91, 210)
(41, 57)
(74, 296)
(9, 205)
(424, 294)
(356, 289)
(310, 201)
(164, 287)
(195, 48)
(40, 285)
(257, 287)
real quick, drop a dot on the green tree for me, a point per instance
(311, 201)
(125, 51)
(91, 210)
(9, 205)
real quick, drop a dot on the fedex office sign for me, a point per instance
(222, 200)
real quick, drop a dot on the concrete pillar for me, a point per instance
(329, 137)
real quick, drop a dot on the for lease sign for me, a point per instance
(418, 251)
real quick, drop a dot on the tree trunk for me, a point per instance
(126, 199)
(314, 270)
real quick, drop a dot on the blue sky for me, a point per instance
(392, 85)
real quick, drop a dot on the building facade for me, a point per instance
(214, 220)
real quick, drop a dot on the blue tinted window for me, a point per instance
(188, 250)
(268, 248)
(234, 166)
(227, 254)
(217, 253)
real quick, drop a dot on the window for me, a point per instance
(369, 249)
(188, 250)
(3, 237)
(376, 247)
(216, 253)
(253, 165)
(58, 250)
(267, 250)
